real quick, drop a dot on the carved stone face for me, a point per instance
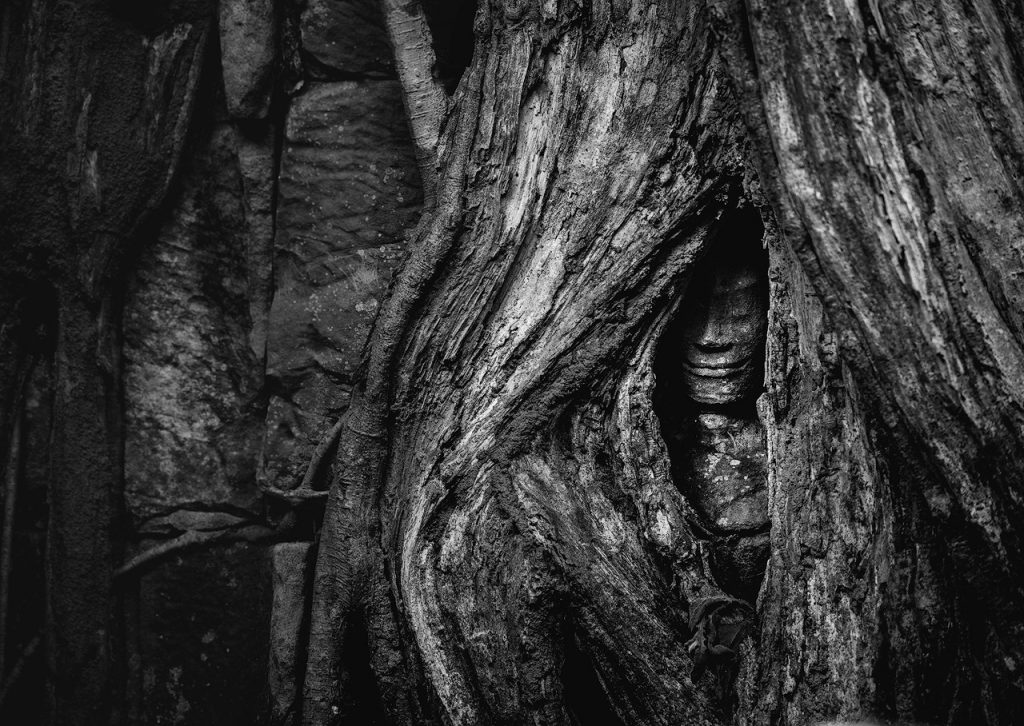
(724, 330)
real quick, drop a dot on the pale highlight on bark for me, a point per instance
(426, 102)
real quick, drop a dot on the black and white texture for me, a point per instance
(511, 362)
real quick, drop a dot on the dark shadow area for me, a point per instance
(585, 697)
(451, 25)
(362, 699)
(31, 326)
(190, 647)
(153, 17)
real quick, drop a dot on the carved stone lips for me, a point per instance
(715, 370)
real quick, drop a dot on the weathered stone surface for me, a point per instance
(346, 36)
(349, 187)
(293, 431)
(348, 176)
(256, 164)
(320, 320)
(191, 379)
(288, 565)
(203, 634)
(248, 44)
(728, 480)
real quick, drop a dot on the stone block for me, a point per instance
(346, 36)
(193, 429)
(203, 637)
(289, 567)
(256, 164)
(248, 49)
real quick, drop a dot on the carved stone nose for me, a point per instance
(713, 336)
(713, 345)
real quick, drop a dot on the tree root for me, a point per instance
(323, 449)
(195, 539)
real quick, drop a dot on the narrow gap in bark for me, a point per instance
(362, 701)
(451, 28)
(884, 675)
(585, 697)
(710, 370)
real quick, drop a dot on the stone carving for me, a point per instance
(722, 465)
(724, 324)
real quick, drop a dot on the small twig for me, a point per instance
(196, 538)
(15, 673)
(323, 449)
(426, 102)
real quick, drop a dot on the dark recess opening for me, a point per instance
(585, 697)
(153, 17)
(34, 321)
(451, 26)
(362, 702)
